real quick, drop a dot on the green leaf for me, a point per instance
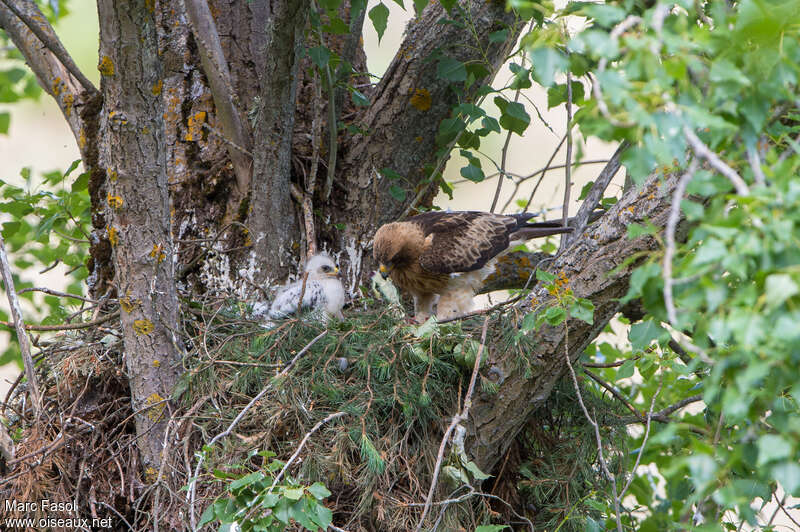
(293, 493)
(557, 94)
(788, 474)
(513, 115)
(555, 315)
(450, 69)
(643, 333)
(390, 174)
(491, 528)
(477, 474)
(246, 480)
(397, 193)
(320, 56)
(583, 309)
(545, 277)
(419, 5)
(473, 173)
(498, 36)
(318, 490)
(547, 63)
(379, 15)
(772, 447)
(81, 182)
(5, 121)
(358, 98)
(626, 369)
(779, 288)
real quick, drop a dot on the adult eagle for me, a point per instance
(447, 255)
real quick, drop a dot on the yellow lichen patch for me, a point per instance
(69, 101)
(158, 253)
(115, 202)
(150, 5)
(58, 86)
(106, 66)
(82, 139)
(155, 405)
(128, 304)
(418, 138)
(144, 326)
(112, 175)
(151, 473)
(195, 126)
(113, 237)
(421, 99)
(145, 130)
(156, 363)
(156, 90)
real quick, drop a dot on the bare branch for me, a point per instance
(543, 171)
(592, 199)
(37, 23)
(216, 69)
(755, 163)
(22, 337)
(568, 160)
(701, 150)
(669, 239)
(52, 73)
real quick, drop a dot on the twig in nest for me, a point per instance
(22, 338)
(296, 453)
(225, 433)
(56, 293)
(484, 311)
(66, 326)
(457, 419)
(302, 294)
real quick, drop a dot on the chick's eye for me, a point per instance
(326, 268)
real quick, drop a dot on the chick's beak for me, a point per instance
(384, 271)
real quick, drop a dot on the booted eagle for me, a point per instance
(324, 291)
(447, 255)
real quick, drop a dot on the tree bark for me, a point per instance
(137, 210)
(598, 268)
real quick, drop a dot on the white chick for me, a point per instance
(324, 291)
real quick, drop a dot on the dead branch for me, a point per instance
(22, 337)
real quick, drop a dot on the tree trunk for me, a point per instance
(131, 140)
(598, 268)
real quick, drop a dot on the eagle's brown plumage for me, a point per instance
(448, 254)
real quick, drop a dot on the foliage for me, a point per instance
(256, 501)
(48, 224)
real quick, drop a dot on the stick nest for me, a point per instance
(399, 386)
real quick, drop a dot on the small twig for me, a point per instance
(669, 239)
(596, 427)
(457, 419)
(332, 136)
(51, 42)
(304, 200)
(484, 311)
(302, 444)
(56, 293)
(66, 326)
(701, 150)
(568, 160)
(22, 337)
(644, 440)
(543, 171)
(302, 294)
(755, 163)
(504, 152)
(618, 396)
(236, 420)
(616, 364)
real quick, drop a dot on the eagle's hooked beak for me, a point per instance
(384, 271)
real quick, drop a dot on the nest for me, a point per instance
(397, 386)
